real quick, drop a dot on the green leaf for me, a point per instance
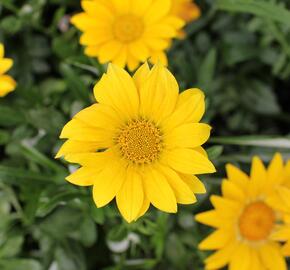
(13, 175)
(215, 152)
(69, 256)
(207, 70)
(10, 116)
(262, 141)
(12, 246)
(20, 264)
(257, 7)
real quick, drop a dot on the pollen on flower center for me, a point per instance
(128, 28)
(256, 221)
(140, 141)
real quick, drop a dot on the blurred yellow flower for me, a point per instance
(141, 142)
(283, 231)
(127, 32)
(7, 84)
(245, 219)
(186, 10)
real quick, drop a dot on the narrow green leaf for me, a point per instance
(259, 8)
(262, 141)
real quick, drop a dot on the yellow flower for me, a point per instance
(127, 32)
(283, 231)
(7, 84)
(245, 218)
(141, 142)
(186, 10)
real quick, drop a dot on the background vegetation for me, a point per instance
(238, 53)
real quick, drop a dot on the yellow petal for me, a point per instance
(276, 170)
(258, 176)
(99, 115)
(117, 89)
(5, 65)
(159, 192)
(2, 51)
(109, 50)
(139, 7)
(80, 131)
(157, 10)
(95, 160)
(157, 44)
(237, 176)
(97, 10)
(158, 94)
(221, 258)
(272, 257)
(188, 136)
(194, 183)
(74, 147)
(132, 62)
(282, 233)
(181, 190)
(159, 57)
(242, 251)
(83, 176)
(7, 85)
(284, 196)
(121, 59)
(160, 30)
(189, 161)
(224, 204)
(210, 218)
(141, 75)
(201, 150)
(130, 197)
(286, 249)
(190, 108)
(122, 7)
(144, 208)
(255, 260)
(92, 50)
(232, 191)
(108, 182)
(139, 50)
(84, 22)
(97, 36)
(216, 240)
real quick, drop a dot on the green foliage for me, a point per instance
(238, 53)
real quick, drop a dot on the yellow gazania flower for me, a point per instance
(7, 84)
(244, 220)
(141, 142)
(186, 10)
(127, 32)
(283, 231)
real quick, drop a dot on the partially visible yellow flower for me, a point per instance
(283, 232)
(186, 10)
(127, 32)
(7, 84)
(141, 142)
(245, 219)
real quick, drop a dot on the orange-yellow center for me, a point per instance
(140, 141)
(128, 28)
(256, 221)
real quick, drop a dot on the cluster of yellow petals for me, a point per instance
(7, 83)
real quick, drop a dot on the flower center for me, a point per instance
(128, 28)
(140, 141)
(257, 221)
